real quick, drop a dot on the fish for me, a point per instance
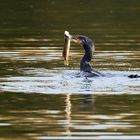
(66, 49)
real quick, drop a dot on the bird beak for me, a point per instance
(75, 39)
(66, 49)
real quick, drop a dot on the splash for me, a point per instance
(40, 80)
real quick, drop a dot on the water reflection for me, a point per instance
(68, 115)
(37, 116)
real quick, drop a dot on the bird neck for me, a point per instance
(87, 57)
(88, 53)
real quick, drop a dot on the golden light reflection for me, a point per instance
(68, 114)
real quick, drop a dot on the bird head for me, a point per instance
(78, 39)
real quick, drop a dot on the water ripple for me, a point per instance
(40, 80)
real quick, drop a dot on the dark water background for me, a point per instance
(40, 98)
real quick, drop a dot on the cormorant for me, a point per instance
(89, 48)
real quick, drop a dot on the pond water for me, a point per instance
(40, 98)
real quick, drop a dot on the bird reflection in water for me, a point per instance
(87, 104)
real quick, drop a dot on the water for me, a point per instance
(40, 98)
(41, 80)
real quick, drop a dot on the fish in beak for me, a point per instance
(67, 40)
